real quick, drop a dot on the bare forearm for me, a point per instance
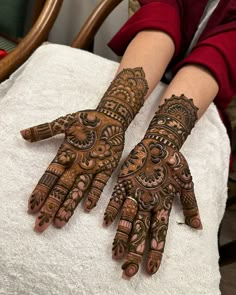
(194, 82)
(152, 51)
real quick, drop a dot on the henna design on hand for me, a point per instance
(91, 151)
(125, 96)
(154, 174)
(92, 148)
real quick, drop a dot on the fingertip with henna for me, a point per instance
(194, 222)
(40, 224)
(107, 220)
(129, 269)
(59, 223)
(88, 206)
(125, 277)
(26, 134)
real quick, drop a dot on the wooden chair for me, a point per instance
(45, 14)
(83, 40)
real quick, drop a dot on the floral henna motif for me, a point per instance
(74, 197)
(153, 175)
(137, 244)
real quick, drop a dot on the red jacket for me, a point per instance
(215, 49)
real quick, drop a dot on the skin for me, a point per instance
(151, 52)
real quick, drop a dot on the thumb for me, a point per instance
(190, 208)
(47, 130)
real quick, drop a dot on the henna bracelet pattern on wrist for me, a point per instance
(125, 96)
(173, 121)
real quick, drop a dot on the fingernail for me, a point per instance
(125, 277)
(105, 224)
(130, 269)
(26, 134)
(58, 223)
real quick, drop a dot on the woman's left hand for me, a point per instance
(150, 178)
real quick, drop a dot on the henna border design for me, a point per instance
(125, 96)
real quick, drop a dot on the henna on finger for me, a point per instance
(55, 200)
(95, 191)
(128, 214)
(47, 130)
(63, 160)
(137, 244)
(72, 200)
(118, 196)
(159, 226)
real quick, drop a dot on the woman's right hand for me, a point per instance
(90, 152)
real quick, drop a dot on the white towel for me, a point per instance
(77, 259)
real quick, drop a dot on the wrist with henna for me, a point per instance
(154, 173)
(173, 121)
(125, 96)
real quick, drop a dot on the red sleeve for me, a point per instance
(217, 54)
(2, 53)
(155, 15)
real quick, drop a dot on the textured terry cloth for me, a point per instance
(180, 19)
(77, 258)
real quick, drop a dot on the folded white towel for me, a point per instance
(77, 259)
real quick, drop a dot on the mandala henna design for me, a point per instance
(125, 96)
(156, 173)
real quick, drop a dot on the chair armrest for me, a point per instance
(88, 31)
(32, 40)
(227, 253)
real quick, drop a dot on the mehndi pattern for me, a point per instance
(153, 175)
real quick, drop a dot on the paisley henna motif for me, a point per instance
(153, 175)
(94, 141)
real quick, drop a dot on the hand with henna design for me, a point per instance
(154, 174)
(93, 144)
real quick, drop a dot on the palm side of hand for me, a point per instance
(85, 161)
(150, 178)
